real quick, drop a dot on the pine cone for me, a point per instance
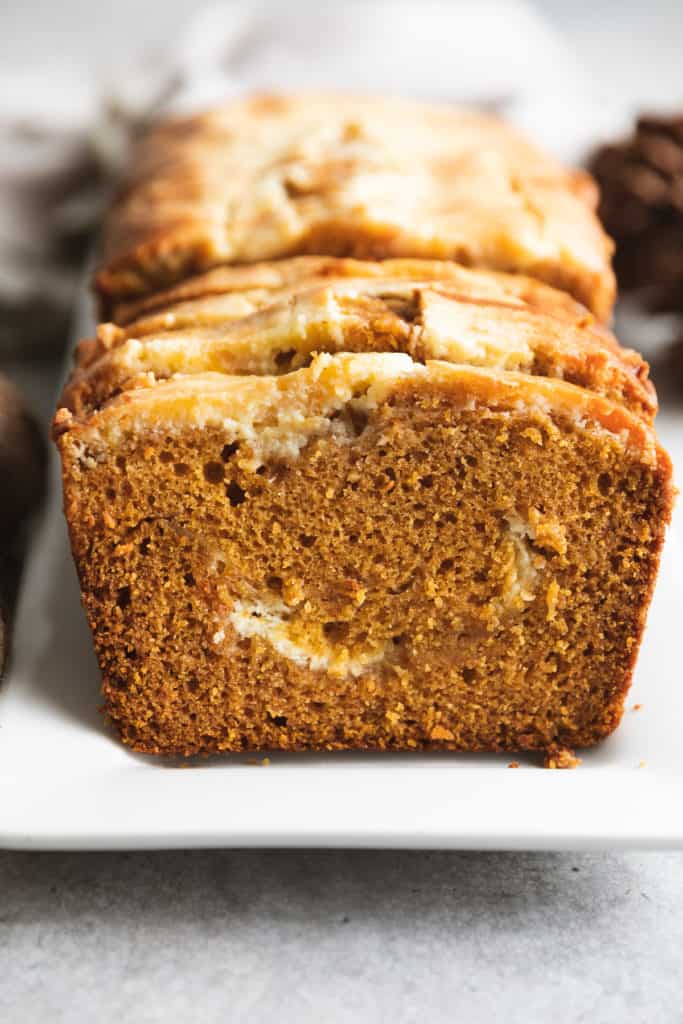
(641, 183)
(671, 368)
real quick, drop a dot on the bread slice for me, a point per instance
(270, 319)
(368, 552)
(231, 292)
(274, 176)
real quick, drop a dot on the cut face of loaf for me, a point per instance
(365, 553)
(275, 176)
(271, 319)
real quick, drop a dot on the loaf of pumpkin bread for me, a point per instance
(366, 497)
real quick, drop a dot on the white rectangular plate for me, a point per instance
(66, 783)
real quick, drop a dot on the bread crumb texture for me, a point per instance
(561, 757)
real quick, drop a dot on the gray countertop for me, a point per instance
(341, 936)
(345, 936)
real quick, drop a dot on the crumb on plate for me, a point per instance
(561, 757)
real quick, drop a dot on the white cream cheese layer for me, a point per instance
(271, 620)
(525, 564)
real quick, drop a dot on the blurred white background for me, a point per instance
(633, 45)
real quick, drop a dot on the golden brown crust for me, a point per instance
(270, 177)
(271, 318)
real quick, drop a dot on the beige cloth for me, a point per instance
(61, 144)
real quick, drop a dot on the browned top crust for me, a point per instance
(271, 318)
(274, 176)
(291, 406)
